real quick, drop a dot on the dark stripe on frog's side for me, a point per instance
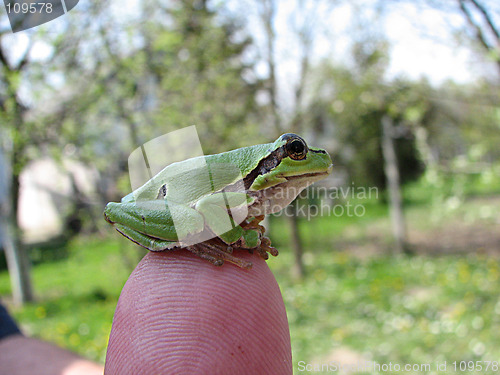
(265, 165)
(317, 151)
(273, 160)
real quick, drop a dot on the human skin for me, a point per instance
(179, 314)
(20, 355)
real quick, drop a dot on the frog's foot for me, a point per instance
(216, 252)
(264, 248)
(254, 224)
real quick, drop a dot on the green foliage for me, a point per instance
(199, 67)
(435, 127)
(354, 101)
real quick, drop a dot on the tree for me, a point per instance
(21, 123)
(369, 117)
(391, 171)
(353, 101)
(198, 73)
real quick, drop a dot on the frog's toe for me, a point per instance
(263, 253)
(265, 244)
(217, 253)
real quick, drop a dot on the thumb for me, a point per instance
(178, 314)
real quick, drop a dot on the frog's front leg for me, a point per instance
(223, 212)
(246, 233)
(264, 247)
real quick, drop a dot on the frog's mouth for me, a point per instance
(311, 175)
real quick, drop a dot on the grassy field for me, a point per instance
(358, 303)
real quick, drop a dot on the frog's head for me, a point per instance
(290, 159)
(289, 167)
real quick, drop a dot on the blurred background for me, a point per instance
(394, 258)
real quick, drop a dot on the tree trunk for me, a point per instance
(393, 185)
(298, 270)
(17, 258)
(17, 263)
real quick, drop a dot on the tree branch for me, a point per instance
(25, 59)
(474, 25)
(267, 15)
(488, 19)
(3, 58)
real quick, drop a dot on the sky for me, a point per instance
(421, 43)
(438, 56)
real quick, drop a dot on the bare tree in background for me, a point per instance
(393, 184)
(305, 25)
(481, 21)
(481, 25)
(268, 11)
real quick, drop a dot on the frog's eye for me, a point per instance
(297, 149)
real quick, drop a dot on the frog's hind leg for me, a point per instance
(150, 243)
(199, 250)
(156, 219)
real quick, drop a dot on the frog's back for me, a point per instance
(245, 158)
(188, 180)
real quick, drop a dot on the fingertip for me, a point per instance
(180, 314)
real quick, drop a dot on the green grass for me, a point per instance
(395, 309)
(383, 308)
